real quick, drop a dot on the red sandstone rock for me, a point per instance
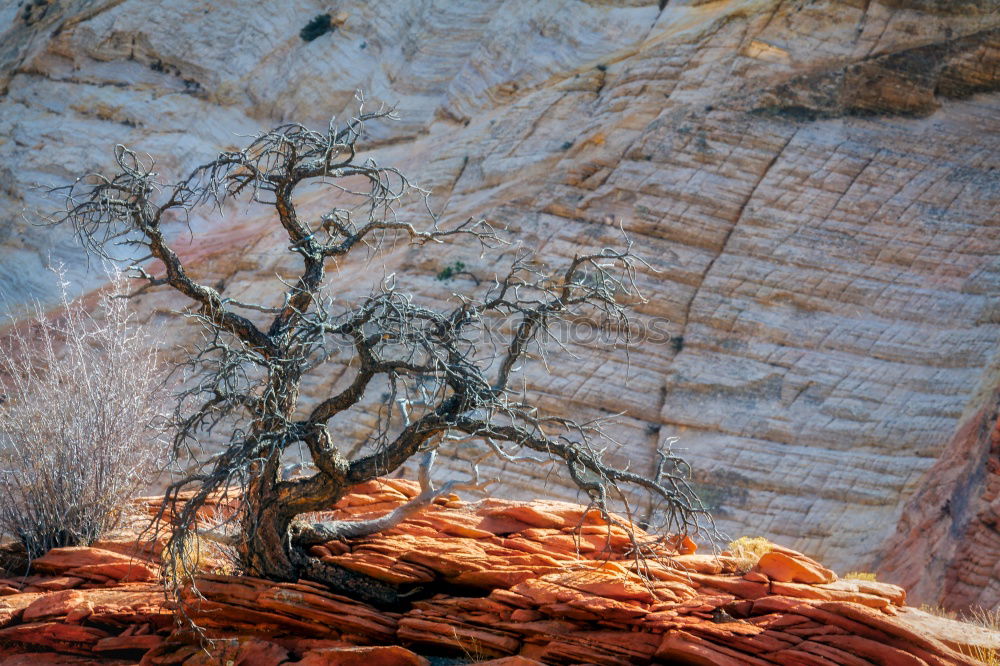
(828, 593)
(705, 564)
(49, 606)
(91, 563)
(131, 643)
(54, 635)
(552, 596)
(793, 568)
(738, 586)
(54, 659)
(685, 648)
(12, 606)
(510, 661)
(362, 656)
(50, 583)
(240, 652)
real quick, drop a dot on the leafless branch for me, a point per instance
(448, 372)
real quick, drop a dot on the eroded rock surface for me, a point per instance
(946, 547)
(816, 183)
(520, 582)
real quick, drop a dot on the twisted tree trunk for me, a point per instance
(266, 548)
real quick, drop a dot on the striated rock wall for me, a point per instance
(816, 183)
(946, 545)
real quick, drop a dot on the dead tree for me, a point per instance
(449, 372)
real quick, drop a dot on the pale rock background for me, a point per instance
(815, 181)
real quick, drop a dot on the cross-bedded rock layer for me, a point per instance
(816, 183)
(546, 582)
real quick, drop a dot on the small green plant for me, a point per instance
(317, 27)
(450, 271)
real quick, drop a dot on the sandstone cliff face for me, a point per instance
(815, 183)
(946, 545)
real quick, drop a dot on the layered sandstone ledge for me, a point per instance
(534, 582)
(815, 183)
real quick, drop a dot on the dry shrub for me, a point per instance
(990, 620)
(938, 611)
(859, 575)
(986, 652)
(80, 399)
(213, 549)
(747, 551)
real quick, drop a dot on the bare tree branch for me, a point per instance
(447, 373)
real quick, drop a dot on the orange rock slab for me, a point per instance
(788, 567)
(545, 594)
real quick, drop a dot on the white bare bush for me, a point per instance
(78, 409)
